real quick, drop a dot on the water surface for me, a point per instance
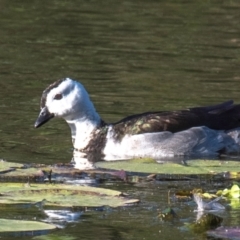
(132, 57)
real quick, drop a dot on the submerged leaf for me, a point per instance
(206, 222)
(167, 214)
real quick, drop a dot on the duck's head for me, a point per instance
(64, 98)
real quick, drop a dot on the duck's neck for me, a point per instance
(83, 119)
(82, 128)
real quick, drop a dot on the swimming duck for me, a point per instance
(199, 131)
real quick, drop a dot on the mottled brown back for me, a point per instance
(224, 116)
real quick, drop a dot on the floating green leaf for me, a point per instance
(55, 237)
(9, 166)
(11, 171)
(61, 195)
(188, 168)
(235, 203)
(234, 192)
(8, 225)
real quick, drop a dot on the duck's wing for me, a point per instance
(223, 116)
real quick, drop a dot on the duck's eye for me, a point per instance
(58, 96)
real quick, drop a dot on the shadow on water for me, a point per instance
(132, 57)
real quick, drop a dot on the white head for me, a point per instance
(68, 99)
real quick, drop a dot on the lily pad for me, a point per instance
(9, 226)
(61, 195)
(11, 171)
(188, 168)
(234, 192)
(20, 174)
(55, 237)
(9, 166)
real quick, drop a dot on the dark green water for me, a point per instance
(132, 56)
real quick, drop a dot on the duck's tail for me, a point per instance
(224, 116)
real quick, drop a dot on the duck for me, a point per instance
(198, 131)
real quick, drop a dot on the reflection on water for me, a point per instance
(140, 57)
(131, 56)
